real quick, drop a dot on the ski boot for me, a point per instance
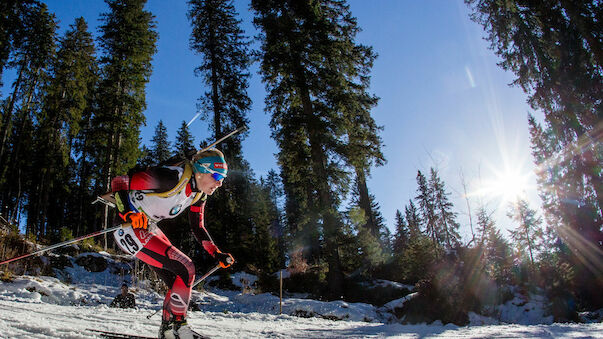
(176, 330)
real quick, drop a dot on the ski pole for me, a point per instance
(210, 272)
(238, 130)
(61, 244)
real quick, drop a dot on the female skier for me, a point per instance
(145, 197)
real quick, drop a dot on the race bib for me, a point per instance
(127, 240)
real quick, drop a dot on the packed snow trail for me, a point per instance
(45, 307)
(39, 320)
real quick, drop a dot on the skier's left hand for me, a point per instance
(225, 259)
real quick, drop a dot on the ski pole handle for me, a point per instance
(61, 244)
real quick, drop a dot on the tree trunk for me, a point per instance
(365, 203)
(11, 106)
(330, 223)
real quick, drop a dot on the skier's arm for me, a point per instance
(195, 217)
(197, 222)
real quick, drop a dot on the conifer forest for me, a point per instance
(72, 115)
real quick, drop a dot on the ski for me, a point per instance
(118, 335)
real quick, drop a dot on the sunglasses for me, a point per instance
(216, 175)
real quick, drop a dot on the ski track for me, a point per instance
(21, 318)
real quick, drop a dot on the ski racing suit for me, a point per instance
(162, 193)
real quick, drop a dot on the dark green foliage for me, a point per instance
(67, 95)
(241, 215)
(185, 141)
(219, 40)
(160, 146)
(402, 234)
(416, 261)
(446, 223)
(427, 209)
(317, 77)
(310, 282)
(128, 44)
(528, 232)
(33, 34)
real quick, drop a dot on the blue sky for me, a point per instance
(444, 101)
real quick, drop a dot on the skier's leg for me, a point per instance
(160, 253)
(156, 250)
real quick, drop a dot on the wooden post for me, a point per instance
(105, 222)
(281, 298)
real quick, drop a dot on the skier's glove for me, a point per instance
(138, 220)
(225, 259)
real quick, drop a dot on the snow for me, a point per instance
(46, 307)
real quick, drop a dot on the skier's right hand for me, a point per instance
(138, 220)
(225, 259)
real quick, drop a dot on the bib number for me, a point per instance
(127, 240)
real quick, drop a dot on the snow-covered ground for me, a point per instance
(45, 307)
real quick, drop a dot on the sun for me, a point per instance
(511, 184)
(508, 185)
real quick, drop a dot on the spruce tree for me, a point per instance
(217, 37)
(67, 95)
(445, 217)
(412, 218)
(528, 231)
(14, 17)
(402, 234)
(32, 58)
(498, 256)
(160, 146)
(426, 200)
(128, 43)
(273, 186)
(219, 40)
(184, 140)
(312, 100)
(484, 224)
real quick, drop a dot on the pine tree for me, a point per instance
(445, 217)
(32, 57)
(484, 224)
(219, 40)
(184, 140)
(128, 44)
(146, 158)
(498, 257)
(412, 218)
(160, 149)
(273, 185)
(528, 232)
(402, 233)
(67, 95)
(14, 16)
(311, 65)
(427, 208)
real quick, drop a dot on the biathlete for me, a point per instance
(145, 197)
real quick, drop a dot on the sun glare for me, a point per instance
(507, 185)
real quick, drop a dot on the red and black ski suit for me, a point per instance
(163, 193)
